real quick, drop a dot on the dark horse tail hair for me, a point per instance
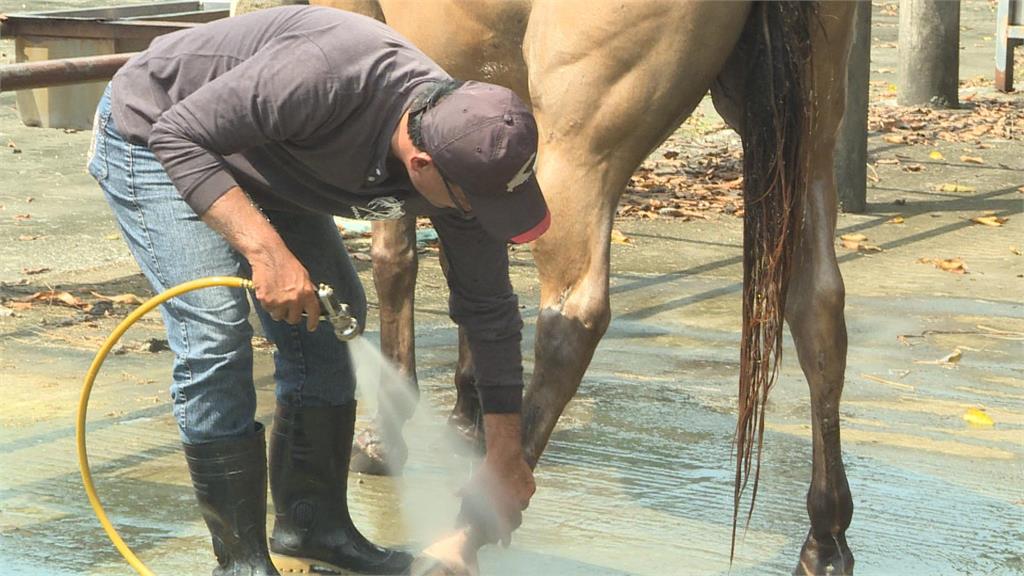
(776, 116)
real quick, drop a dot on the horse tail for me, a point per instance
(776, 114)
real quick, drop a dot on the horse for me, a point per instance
(608, 82)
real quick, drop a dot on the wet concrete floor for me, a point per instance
(638, 476)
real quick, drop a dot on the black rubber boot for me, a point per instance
(230, 479)
(309, 457)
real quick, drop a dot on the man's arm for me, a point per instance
(483, 302)
(283, 286)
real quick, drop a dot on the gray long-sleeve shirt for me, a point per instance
(297, 106)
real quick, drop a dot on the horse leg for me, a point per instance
(814, 313)
(815, 305)
(380, 449)
(602, 102)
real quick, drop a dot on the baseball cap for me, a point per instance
(483, 138)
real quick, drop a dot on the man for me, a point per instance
(224, 150)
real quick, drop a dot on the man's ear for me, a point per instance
(420, 161)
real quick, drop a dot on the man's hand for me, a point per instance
(494, 499)
(284, 289)
(283, 286)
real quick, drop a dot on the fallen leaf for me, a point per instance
(887, 161)
(950, 187)
(893, 138)
(851, 244)
(868, 248)
(126, 298)
(32, 271)
(112, 237)
(53, 296)
(853, 237)
(20, 305)
(979, 418)
(895, 220)
(936, 155)
(29, 200)
(620, 238)
(948, 361)
(994, 221)
(954, 265)
(361, 257)
(913, 167)
(28, 237)
(22, 217)
(972, 159)
(1015, 250)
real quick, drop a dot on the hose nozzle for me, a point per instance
(346, 327)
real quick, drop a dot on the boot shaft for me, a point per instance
(230, 481)
(309, 458)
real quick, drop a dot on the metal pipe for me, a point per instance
(60, 72)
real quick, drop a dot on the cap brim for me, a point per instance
(517, 217)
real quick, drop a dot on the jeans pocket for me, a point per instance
(97, 157)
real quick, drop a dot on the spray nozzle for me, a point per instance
(337, 313)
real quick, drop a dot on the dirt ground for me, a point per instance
(933, 411)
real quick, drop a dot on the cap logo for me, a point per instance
(524, 173)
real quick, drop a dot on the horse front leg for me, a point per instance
(380, 448)
(572, 261)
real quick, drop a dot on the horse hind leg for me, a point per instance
(815, 303)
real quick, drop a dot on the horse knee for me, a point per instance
(567, 335)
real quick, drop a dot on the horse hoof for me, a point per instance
(372, 455)
(825, 559)
(467, 435)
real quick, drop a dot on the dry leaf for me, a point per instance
(112, 237)
(954, 187)
(22, 217)
(893, 138)
(28, 237)
(851, 244)
(913, 167)
(948, 361)
(972, 159)
(954, 265)
(1015, 250)
(55, 297)
(126, 298)
(853, 237)
(936, 155)
(868, 248)
(620, 238)
(31, 271)
(979, 418)
(994, 221)
(895, 220)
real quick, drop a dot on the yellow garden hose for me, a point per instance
(90, 378)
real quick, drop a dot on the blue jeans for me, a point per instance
(208, 329)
